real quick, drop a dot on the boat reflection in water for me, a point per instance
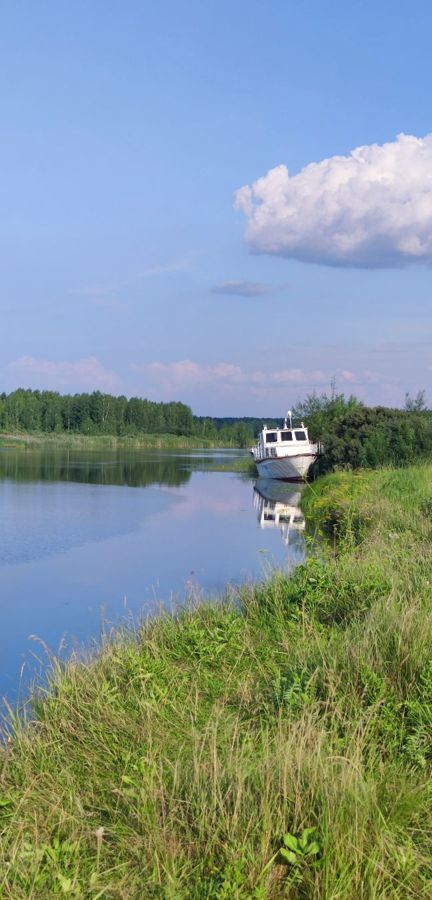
(278, 506)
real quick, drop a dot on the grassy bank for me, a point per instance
(74, 441)
(190, 760)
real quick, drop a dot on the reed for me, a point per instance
(75, 441)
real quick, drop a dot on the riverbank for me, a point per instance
(75, 441)
(190, 759)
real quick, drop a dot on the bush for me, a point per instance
(375, 436)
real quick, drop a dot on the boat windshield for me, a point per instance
(300, 435)
(271, 437)
(286, 435)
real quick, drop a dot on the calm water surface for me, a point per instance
(91, 537)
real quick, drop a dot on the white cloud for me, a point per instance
(87, 373)
(372, 208)
(243, 288)
(103, 293)
(186, 373)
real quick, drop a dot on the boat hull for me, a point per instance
(274, 491)
(288, 468)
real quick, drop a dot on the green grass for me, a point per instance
(243, 465)
(71, 440)
(191, 758)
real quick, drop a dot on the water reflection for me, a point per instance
(108, 467)
(278, 506)
(115, 530)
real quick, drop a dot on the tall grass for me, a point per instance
(75, 441)
(186, 758)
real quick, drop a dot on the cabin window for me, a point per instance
(300, 435)
(269, 517)
(286, 435)
(271, 437)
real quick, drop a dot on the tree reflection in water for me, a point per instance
(109, 467)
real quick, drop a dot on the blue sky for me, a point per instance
(126, 131)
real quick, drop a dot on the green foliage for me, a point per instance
(97, 414)
(371, 437)
(355, 436)
(319, 411)
(299, 850)
(417, 403)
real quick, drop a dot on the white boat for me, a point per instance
(285, 452)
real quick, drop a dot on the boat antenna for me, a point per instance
(289, 416)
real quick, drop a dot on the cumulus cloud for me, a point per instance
(243, 288)
(87, 373)
(370, 209)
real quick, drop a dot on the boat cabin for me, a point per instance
(282, 435)
(274, 440)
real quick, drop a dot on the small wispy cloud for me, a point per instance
(104, 293)
(176, 265)
(244, 288)
(87, 373)
(94, 291)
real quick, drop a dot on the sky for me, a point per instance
(225, 203)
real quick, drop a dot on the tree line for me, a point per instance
(96, 413)
(99, 413)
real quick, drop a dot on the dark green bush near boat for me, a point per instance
(376, 436)
(356, 436)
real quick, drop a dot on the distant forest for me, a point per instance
(99, 413)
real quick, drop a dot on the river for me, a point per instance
(90, 539)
